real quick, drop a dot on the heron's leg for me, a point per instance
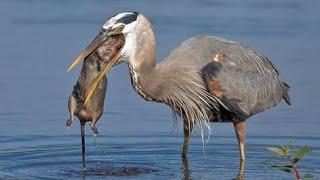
(187, 130)
(240, 129)
(186, 170)
(83, 146)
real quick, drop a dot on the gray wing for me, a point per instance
(243, 93)
(240, 79)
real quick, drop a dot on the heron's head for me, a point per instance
(134, 26)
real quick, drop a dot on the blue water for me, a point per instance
(39, 38)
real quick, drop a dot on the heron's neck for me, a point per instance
(142, 66)
(172, 82)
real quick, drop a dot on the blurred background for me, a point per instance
(39, 39)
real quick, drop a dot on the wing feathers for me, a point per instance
(285, 94)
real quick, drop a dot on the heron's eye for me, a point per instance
(121, 27)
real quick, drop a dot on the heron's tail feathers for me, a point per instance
(285, 94)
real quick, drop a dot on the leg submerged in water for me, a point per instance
(187, 130)
(185, 167)
(240, 129)
(242, 167)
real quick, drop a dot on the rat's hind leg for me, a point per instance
(94, 128)
(72, 105)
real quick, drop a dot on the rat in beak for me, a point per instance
(97, 57)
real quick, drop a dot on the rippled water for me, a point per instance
(157, 156)
(138, 140)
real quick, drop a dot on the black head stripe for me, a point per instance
(129, 18)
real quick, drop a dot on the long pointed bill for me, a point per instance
(105, 69)
(86, 52)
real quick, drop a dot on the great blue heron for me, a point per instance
(205, 79)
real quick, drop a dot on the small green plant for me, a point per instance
(285, 152)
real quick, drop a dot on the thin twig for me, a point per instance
(294, 167)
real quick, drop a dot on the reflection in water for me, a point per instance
(187, 172)
(185, 167)
(242, 167)
(115, 171)
(127, 157)
(84, 174)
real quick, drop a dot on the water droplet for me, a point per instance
(94, 140)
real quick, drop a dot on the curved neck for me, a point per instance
(143, 58)
(173, 82)
(142, 64)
